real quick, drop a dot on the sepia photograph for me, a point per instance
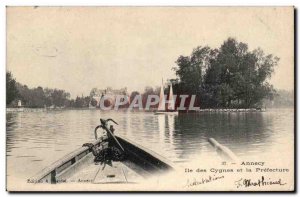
(131, 99)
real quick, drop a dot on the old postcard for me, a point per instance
(150, 99)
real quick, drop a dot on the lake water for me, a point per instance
(36, 139)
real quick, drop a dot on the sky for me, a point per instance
(79, 48)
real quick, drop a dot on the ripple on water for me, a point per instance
(50, 135)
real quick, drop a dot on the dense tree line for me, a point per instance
(40, 97)
(11, 89)
(228, 77)
(46, 97)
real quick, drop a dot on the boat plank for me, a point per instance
(111, 174)
(67, 158)
(87, 174)
(131, 176)
(79, 166)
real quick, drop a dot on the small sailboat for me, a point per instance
(162, 102)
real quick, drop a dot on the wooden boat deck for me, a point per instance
(79, 166)
(114, 172)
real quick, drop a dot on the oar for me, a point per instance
(114, 137)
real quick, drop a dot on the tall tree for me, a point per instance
(190, 69)
(11, 89)
(230, 76)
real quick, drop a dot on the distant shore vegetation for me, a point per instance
(227, 77)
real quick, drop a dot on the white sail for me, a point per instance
(162, 102)
(171, 102)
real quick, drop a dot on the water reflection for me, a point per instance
(40, 138)
(171, 126)
(161, 126)
(237, 131)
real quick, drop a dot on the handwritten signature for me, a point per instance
(195, 182)
(262, 181)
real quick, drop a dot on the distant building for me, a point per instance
(97, 94)
(110, 91)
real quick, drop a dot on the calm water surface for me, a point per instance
(36, 139)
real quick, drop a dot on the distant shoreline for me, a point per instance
(31, 109)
